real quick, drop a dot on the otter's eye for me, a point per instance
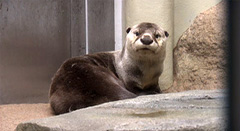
(157, 36)
(137, 33)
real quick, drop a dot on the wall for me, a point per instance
(36, 37)
(175, 16)
(100, 25)
(34, 42)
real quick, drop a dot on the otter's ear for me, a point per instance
(128, 29)
(166, 33)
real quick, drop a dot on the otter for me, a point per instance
(102, 77)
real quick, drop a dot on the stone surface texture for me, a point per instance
(190, 110)
(200, 57)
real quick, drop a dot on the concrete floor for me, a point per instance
(13, 114)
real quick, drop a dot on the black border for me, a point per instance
(234, 65)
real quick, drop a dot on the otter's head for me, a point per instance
(146, 39)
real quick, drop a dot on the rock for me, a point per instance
(200, 57)
(191, 110)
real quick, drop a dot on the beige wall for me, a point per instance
(175, 16)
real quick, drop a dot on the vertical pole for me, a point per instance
(118, 21)
(86, 22)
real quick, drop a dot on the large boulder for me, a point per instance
(200, 57)
(191, 110)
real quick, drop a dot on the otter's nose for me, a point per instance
(146, 40)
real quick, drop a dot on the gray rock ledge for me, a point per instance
(190, 110)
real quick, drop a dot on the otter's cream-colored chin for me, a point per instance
(145, 50)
